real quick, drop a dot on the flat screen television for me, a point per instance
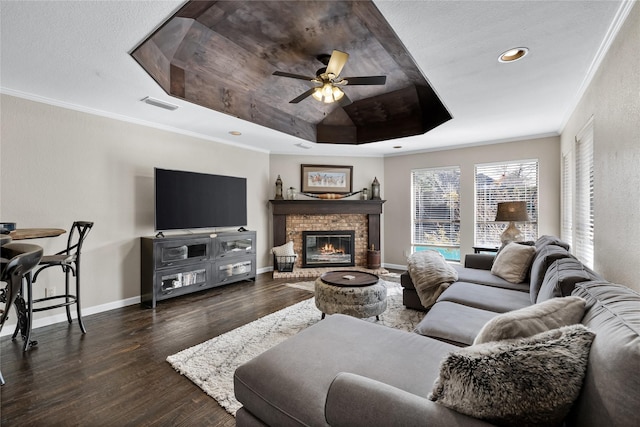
(185, 200)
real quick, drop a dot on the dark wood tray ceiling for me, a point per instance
(221, 55)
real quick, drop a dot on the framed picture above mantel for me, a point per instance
(318, 179)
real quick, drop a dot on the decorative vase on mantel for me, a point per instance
(292, 194)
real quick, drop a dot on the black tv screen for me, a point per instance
(185, 200)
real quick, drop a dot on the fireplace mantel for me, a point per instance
(282, 208)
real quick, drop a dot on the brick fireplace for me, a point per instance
(292, 217)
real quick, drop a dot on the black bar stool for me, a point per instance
(18, 259)
(69, 260)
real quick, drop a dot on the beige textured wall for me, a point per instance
(60, 165)
(613, 99)
(397, 220)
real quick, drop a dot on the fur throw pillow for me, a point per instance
(524, 382)
(528, 321)
(430, 274)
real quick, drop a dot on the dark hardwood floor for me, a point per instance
(117, 374)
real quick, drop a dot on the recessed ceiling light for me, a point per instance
(158, 103)
(235, 133)
(301, 145)
(513, 54)
(397, 146)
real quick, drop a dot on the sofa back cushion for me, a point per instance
(611, 389)
(550, 240)
(561, 278)
(545, 256)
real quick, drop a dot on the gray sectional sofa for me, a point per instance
(344, 371)
(479, 295)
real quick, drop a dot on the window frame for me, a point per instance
(486, 230)
(450, 250)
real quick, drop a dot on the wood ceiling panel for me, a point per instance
(223, 54)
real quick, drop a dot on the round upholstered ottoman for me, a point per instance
(355, 293)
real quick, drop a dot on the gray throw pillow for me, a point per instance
(513, 262)
(528, 321)
(524, 382)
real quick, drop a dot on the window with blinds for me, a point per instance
(436, 211)
(505, 182)
(583, 201)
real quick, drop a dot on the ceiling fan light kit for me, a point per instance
(327, 93)
(329, 78)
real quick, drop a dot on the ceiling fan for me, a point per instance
(328, 82)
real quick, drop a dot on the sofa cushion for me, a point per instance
(550, 240)
(528, 321)
(524, 382)
(288, 384)
(484, 277)
(454, 323)
(485, 297)
(543, 259)
(611, 389)
(561, 278)
(431, 274)
(513, 262)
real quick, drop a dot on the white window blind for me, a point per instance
(566, 228)
(436, 209)
(583, 205)
(505, 182)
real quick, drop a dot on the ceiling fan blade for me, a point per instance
(336, 62)
(303, 96)
(369, 80)
(293, 76)
(344, 101)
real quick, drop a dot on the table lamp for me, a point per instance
(512, 212)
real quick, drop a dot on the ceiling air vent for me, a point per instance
(159, 103)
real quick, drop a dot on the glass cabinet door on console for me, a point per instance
(180, 281)
(181, 252)
(236, 244)
(234, 270)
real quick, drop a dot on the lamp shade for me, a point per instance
(512, 211)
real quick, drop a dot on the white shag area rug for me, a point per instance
(211, 365)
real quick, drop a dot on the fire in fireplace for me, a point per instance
(328, 248)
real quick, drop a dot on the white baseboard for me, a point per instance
(8, 328)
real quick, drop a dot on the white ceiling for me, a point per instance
(76, 54)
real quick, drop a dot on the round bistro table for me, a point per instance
(355, 293)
